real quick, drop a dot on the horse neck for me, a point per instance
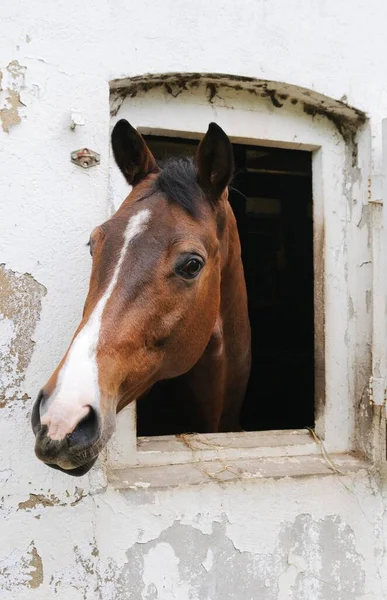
(232, 275)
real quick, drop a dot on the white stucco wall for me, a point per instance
(301, 538)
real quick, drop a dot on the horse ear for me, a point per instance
(131, 153)
(215, 161)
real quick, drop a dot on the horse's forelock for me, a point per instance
(178, 181)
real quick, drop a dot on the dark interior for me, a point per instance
(271, 196)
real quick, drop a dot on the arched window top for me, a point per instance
(345, 117)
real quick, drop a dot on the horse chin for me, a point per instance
(77, 471)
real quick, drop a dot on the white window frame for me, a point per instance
(249, 119)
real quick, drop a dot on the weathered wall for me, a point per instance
(305, 539)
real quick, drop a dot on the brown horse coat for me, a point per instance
(167, 298)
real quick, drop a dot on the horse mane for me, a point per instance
(178, 181)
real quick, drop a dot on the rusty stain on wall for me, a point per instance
(11, 83)
(20, 307)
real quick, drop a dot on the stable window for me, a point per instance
(271, 196)
(292, 197)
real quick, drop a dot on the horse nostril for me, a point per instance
(35, 414)
(87, 430)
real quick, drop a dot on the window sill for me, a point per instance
(190, 448)
(172, 461)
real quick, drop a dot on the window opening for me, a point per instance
(271, 196)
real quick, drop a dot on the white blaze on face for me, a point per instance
(77, 384)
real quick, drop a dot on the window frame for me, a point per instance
(253, 121)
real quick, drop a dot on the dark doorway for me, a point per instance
(271, 196)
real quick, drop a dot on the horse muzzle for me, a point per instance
(77, 452)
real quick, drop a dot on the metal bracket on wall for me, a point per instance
(85, 158)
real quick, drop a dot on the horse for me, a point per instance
(167, 299)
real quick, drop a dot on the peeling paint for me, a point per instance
(11, 83)
(42, 501)
(20, 307)
(38, 499)
(21, 570)
(10, 116)
(82, 576)
(36, 571)
(312, 558)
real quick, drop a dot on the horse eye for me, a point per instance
(90, 246)
(191, 268)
